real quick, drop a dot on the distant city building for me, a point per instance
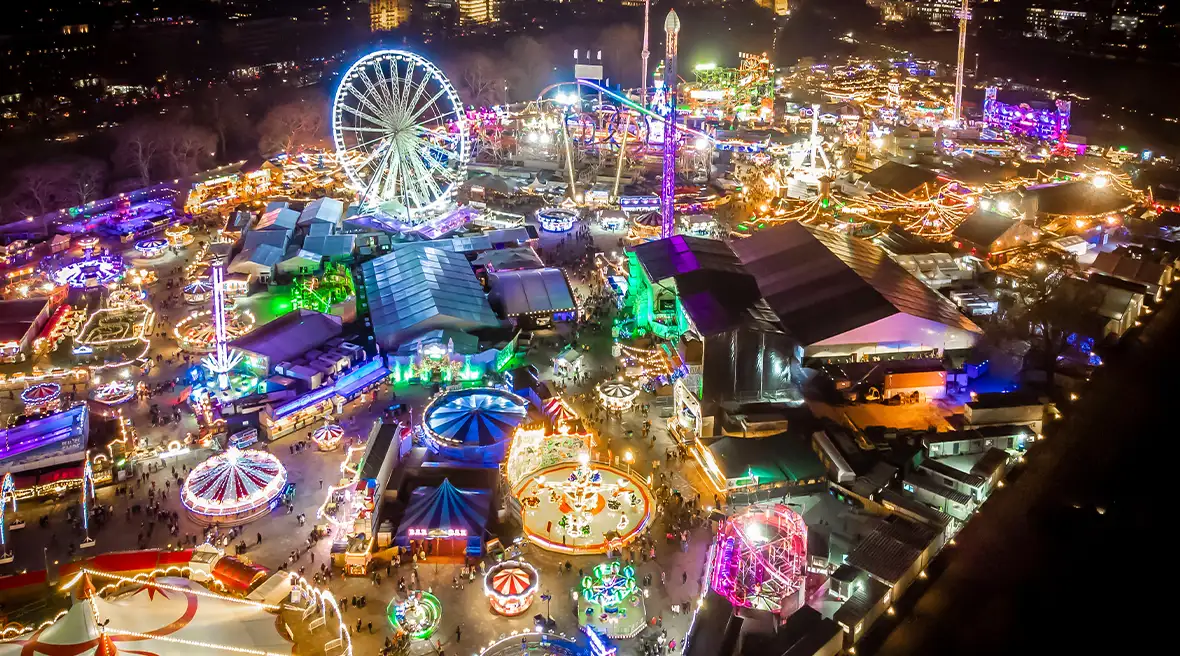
(780, 7)
(385, 15)
(938, 13)
(479, 12)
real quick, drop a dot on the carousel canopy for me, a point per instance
(232, 479)
(475, 417)
(512, 580)
(649, 220)
(444, 511)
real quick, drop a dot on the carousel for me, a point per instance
(197, 334)
(616, 395)
(583, 508)
(198, 292)
(611, 602)
(113, 393)
(511, 586)
(418, 615)
(151, 248)
(41, 398)
(645, 227)
(328, 437)
(473, 425)
(179, 235)
(234, 487)
(556, 219)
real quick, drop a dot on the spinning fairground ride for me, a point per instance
(761, 558)
(583, 507)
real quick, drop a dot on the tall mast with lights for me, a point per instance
(957, 115)
(668, 184)
(220, 362)
(645, 53)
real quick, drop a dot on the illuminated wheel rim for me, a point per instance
(234, 487)
(419, 615)
(761, 557)
(392, 119)
(511, 586)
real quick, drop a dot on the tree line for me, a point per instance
(217, 125)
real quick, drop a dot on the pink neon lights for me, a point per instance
(761, 558)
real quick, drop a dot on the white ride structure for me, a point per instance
(401, 136)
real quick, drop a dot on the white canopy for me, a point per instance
(172, 617)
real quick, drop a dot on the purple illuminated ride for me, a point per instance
(90, 272)
(1046, 124)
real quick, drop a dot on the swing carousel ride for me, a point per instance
(582, 507)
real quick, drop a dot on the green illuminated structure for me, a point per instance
(653, 305)
(321, 292)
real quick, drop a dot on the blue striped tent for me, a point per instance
(446, 512)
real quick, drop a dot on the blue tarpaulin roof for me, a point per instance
(442, 509)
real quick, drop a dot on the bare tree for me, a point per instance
(140, 144)
(40, 188)
(88, 176)
(226, 114)
(188, 146)
(481, 81)
(291, 126)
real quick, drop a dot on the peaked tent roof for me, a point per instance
(422, 287)
(290, 335)
(982, 227)
(278, 219)
(822, 284)
(445, 507)
(664, 258)
(714, 288)
(527, 291)
(144, 619)
(898, 177)
(326, 210)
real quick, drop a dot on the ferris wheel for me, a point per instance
(400, 133)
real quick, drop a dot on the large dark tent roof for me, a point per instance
(822, 283)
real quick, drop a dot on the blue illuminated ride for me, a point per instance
(473, 425)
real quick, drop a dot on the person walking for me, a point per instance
(458, 634)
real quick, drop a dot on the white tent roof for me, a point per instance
(181, 616)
